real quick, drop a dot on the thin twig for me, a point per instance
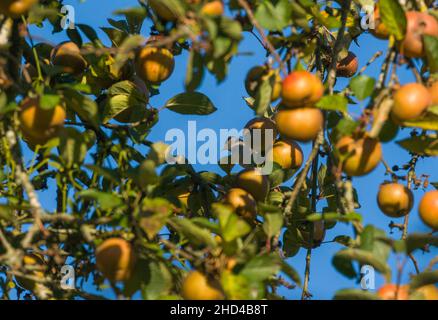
(302, 177)
(331, 77)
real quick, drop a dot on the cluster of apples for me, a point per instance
(38, 125)
(116, 260)
(418, 24)
(396, 200)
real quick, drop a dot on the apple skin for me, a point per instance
(395, 200)
(301, 89)
(389, 291)
(301, 124)
(363, 155)
(39, 125)
(115, 259)
(433, 91)
(347, 67)
(428, 209)
(288, 154)
(242, 202)
(418, 24)
(410, 101)
(213, 8)
(252, 181)
(196, 286)
(68, 56)
(16, 8)
(155, 65)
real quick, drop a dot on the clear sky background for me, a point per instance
(233, 113)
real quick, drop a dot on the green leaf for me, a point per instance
(125, 95)
(105, 200)
(355, 294)
(423, 279)
(191, 103)
(428, 121)
(272, 224)
(231, 28)
(334, 216)
(274, 18)
(231, 226)
(89, 32)
(73, 146)
(344, 127)
(6, 212)
(109, 174)
(153, 216)
(335, 102)
(362, 86)
(157, 280)
(369, 241)
(344, 265)
(420, 240)
(195, 71)
(393, 17)
(422, 145)
(291, 272)
(167, 9)
(263, 95)
(84, 107)
(239, 287)
(431, 46)
(290, 242)
(195, 234)
(262, 267)
(363, 257)
(49, 101)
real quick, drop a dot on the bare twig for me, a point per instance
(302, 177)
(331, 77)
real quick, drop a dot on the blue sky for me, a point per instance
(233, 113)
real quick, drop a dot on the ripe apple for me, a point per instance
(395, 200)
(428, 209)
(39, 125)
(389, 291)
(196, 286)
(115, 259)
(254, 78)
(242, 202)
(155, 65)
(68, 56)
(363, 155)
(433, 91)
(263, 124)
(302, 124)
(213, 8)
(410, 101)
(15, 8)
(418, 24)
(288, 154)
(301, 89)
(252, 181)
(348, 66)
